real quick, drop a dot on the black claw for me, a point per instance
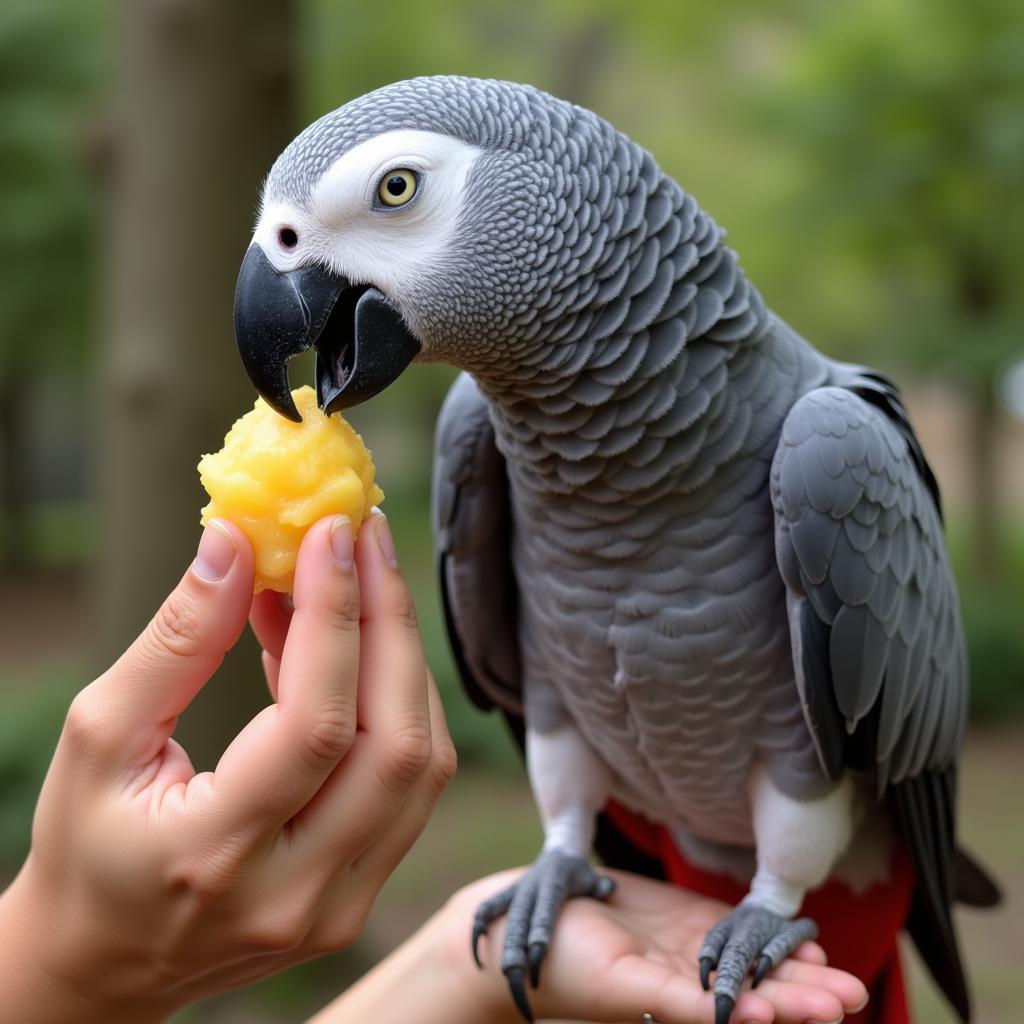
(762, 967)
(706, 963)
(723, 1008)
(514, 975)
(538, 950)
(478, 930)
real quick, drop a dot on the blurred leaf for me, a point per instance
(909, 120)
(51, 55)
(35, 704)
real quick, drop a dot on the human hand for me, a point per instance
(149, 886)
(635, 954)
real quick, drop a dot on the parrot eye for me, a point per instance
(397, 187)
(287, 238)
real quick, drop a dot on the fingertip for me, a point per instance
(385, 590)
(219, 582)
(751, 1009)
(385, 539)
(856, 1005)
(810, 953)
(223, 551)
(829, 1010)
(242, 543)
(322, 568)
(342, 542)
(314, 540)
(229, 526)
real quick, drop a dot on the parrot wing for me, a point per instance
(877, 639)
(473, 536)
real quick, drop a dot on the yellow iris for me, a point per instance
(397, 187)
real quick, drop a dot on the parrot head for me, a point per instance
(434, 219)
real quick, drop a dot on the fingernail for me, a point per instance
(860, 1006)
(342, 545)
(384, 539)
(216, 554)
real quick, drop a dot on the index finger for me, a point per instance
(393, 674)
(396, 741)
(277, 763)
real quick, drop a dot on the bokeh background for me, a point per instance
(867, 160)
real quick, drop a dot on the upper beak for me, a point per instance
(279, 315)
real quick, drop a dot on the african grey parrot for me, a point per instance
(699, 564)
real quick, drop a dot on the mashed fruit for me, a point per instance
(275, 478)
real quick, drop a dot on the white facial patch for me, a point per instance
(346, 226)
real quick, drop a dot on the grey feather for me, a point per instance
(895, 666)
(870, 590)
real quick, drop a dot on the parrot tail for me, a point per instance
(973, 886)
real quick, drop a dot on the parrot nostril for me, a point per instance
(287, 238)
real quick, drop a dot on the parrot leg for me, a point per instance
(798, 841)
(571, 784)
(750, 932)
(533, 905)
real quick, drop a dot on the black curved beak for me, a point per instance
(361, 341)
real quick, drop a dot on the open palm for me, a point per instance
(637, 953)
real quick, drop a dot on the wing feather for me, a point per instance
(877, 640)
(473, 530)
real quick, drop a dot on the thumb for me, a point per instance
(128, 713)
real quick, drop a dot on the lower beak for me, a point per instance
(361, 341)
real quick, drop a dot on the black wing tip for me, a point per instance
(884, 394)
(923, 805)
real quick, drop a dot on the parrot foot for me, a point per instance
(533, 905)
(750, 933)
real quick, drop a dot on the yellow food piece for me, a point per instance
(275, 478)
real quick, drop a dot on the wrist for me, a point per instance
(482, 989)
(430, 979)
(43, 977)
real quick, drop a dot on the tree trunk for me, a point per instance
(14, 474)
(978, 276)
(203, 106)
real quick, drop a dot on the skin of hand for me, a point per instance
(149, 886)
(608, 962)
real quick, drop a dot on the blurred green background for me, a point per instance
(867, 160)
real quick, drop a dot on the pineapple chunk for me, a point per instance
(275, 478)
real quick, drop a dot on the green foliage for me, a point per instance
(995, 649)
(992, 614)
(907, 119)
(60, 534)
(34, 708)
(50, 53)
